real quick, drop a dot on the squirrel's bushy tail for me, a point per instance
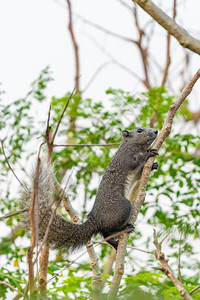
(61, 233)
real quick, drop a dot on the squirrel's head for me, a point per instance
(141, 136)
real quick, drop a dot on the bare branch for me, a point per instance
(140, 197)
(75, 45)
(107, 31)
(69, 265)
(56, 130)
(143, 50)
(129, 247)
(192, 291)
(95, 75)
(88, 145)
(159, 141)
(179, 259)
(168, 60)
(113, 60)
(6, 159)
(126, 5)
(10, 286)
(43, 270)
(34, 228)
(110, 261)
(160, 256)
(182, 36)
(119, 265)
(14, 213)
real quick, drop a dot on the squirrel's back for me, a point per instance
(111, 211)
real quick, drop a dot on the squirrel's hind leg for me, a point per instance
(113, 241)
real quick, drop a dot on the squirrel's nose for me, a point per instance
(156, 131)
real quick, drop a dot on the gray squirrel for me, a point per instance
(111, 212)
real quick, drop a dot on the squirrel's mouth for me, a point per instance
(151, 140)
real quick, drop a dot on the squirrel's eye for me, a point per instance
(140, 130)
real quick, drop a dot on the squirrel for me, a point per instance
(111, 212)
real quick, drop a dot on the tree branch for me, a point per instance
(34, 229)
(168, 59)
(140, 197)
(88, 145)
(6, 159)
(75, 45)
(160, 256)
(10, 286)
(182, 36)
(14, 213)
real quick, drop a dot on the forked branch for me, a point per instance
(160, 256)
(140, 197)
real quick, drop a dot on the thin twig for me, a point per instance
(160, 256)
(24, 187)
(59, 121)
(34, 230)
(14, 214)
(107, 31)
(126, 5)
(140, 197)
(114, 60)
(87, 145)
(129, 247)
(44, 248)
(179, 259)
(43, 271)
(168, 59)
(196, 288)
(95, 75)
(75, 46)
(143, 50)
(164, 238)
(10, 286)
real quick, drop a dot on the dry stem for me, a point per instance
(11, 287)
(168, 59)
(160, 256)
(140, 197)
(34, 230)
(88, 145)
(43, 270)
(6, 159)
(182, 36)
(14, 213)
(75, 45)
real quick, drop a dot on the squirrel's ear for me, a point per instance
(125, 133)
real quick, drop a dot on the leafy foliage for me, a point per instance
(172, 204)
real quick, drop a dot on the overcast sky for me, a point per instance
(34, 34)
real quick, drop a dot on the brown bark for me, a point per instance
(182, 36)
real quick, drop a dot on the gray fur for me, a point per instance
(112, 210)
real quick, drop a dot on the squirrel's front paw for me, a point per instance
(152, 152)
(155, 166)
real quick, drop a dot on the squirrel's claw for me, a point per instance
(155, 166)
(152, 152)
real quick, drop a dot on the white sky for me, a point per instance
(34, 34)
